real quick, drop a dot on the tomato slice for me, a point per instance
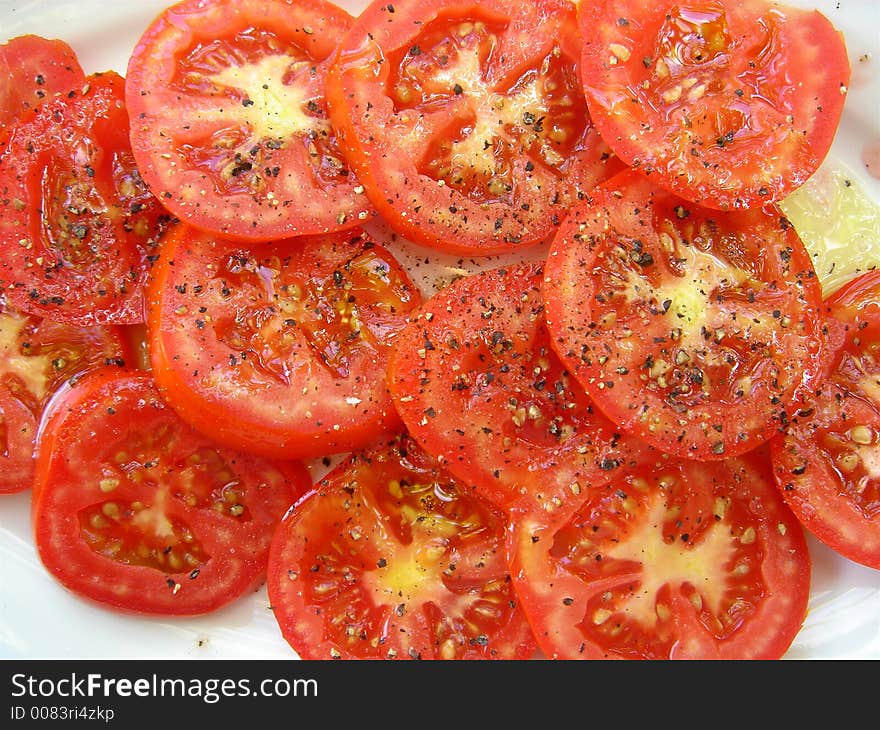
(37, 356)
(229, 120)
(76, 221)
(466, 121)
(389, 558)
(827, 464)
(33, 70)
(728, 104)
(478, 385)
(151, 517)
(697, 330)
(676, 559)
(280, 348)
(18, 428)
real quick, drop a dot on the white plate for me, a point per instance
(39, 619)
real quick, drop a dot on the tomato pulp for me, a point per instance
(694, 329)
(465, 121)
(229, 120)
(151, 517)
(389, 558)
(77, 222)
(479, 386)
(676, 559)
(281, 347)
(37, 357)
(826, 463)
(34, 70)
(727, 104)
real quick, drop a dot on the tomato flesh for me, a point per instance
(676, 559)
(389, 558)
(229, 120)
(77, 223)
(37, 356)
(466, 122)
(34, 70)
(280, 347)
(694, 329)
(444, 66)
(826, 464)
(711, 98)
(153, 517)
(479, 386)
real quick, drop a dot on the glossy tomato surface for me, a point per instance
(33, 70)
(465, 121)
(37, 357)
(841, 622)
(136, 510)
(229, 119)
(77, 223)
(675, 559)
(728, 103)
(280, 348)
(826, 464)
(389, 558)
(479, 386)
(694, 329)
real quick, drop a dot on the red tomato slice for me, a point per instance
(675, 559)
(229, 122)
(697, 330)
(18, 428)
(389, 558)
(466, 121)
(827, 463)
(279, 348)
(76, 221)
(728, 104)
(37, 356)
(479, 387)
(34, 70)
(151, 516)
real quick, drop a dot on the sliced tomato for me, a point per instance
(676, 559)
(229, 120)
(730, 104)
(37, 356)
(466, 121)
(18, 428)
(827, 464)
(34, 70)
(134, 509)
(77, 223)
(478, 385)
(697, 330)
(280, 348)
(389, 558)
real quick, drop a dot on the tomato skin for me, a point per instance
(677, 559)
(229, 124)
(152, 517)
(415, 93)
(710, 99)
(279, 349)
(478, 385)
(696, 330)
(824, 464)
(33, 70)
(76, 221)
(389, 558)
(37, 356)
